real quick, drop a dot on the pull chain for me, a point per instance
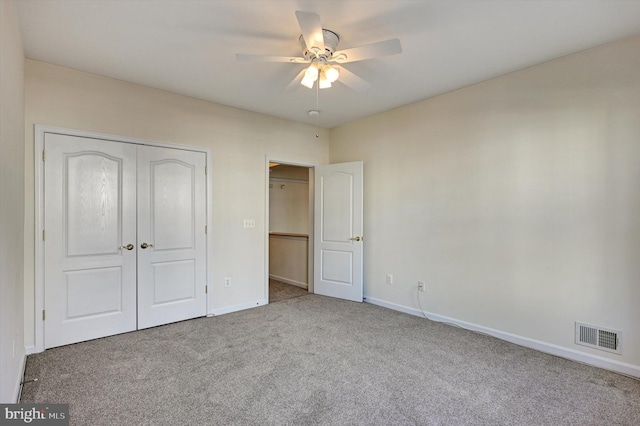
(317, 110)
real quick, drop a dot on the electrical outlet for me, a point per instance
(389, 279)
(421, 285)
(227, 281)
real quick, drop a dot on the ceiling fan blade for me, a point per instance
(240, 57)
(350, 79)
(311, 29)
(295, 83)
(369, 51)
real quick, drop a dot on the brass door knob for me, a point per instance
(145, 245)
(356, 238)
(127, 247)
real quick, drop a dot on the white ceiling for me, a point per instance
(189, 46)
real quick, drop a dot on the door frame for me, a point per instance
(311, 168)
(40, 131)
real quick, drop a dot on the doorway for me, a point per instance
(335, 225)
(290, 228)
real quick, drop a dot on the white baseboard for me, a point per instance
(289, 281)
(236, 308)
(572, 354)
(29, 350)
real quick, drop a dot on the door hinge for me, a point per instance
(205, 170)
(206, 289)
(43, 235)
(43, 316)
(43, 155)
(206, 229)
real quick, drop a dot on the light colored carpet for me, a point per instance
(279, 291)
(315, 360)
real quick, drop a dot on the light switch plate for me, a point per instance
(249, 223)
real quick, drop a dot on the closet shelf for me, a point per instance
(288, 234)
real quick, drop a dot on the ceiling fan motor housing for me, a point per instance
(331, 40)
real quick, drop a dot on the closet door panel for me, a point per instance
(90, 216)
(171, 235)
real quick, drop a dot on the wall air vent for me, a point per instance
(599, 338)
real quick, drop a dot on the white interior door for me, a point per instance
(171, 235)
(125, 244)
(338, 230)
(90, 218)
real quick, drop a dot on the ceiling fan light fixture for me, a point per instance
(311, 72)
(307, 82)
(331, 73)
(319, 53)
(310, 76)
(324, 82)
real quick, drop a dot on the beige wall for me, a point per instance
(240, 142)
(12, 353)
(288, 259)
(516, 200)
(289, 205)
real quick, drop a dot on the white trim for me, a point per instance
(39, 244)
(30, 350)
(394, 306)
(39, 134)
(18, 389)
(236, 308)
(572, 354)
(41, 129)
(266, 229)
(312, 217)
(289, 281)
(209, 225)
(311, 167)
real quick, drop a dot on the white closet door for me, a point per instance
(90, 216)
(171, 235)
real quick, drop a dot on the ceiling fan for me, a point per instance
(319, 52)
